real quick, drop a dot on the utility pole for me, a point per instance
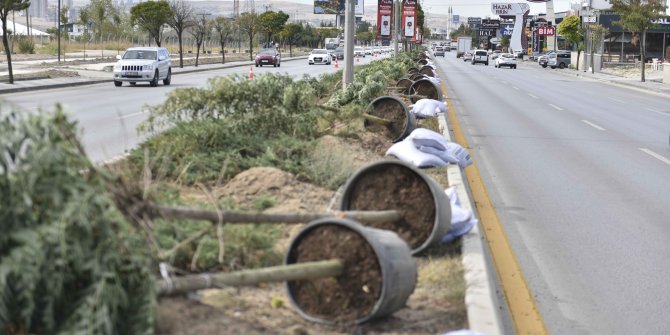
(58, 31)
(349, 28)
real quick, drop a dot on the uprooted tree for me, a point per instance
(69, 260)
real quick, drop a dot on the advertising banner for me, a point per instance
(455, 19)
(384, 17)
(408, 14)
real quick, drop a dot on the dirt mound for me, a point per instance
(290, 194)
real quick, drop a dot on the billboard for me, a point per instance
(455, 19)
(335, 7)
(408, 14)
(384, 17)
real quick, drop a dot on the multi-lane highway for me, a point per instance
(579, 174)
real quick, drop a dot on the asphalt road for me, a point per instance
(108, 115)
(579, 173)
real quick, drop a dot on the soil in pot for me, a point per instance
(425, 88)
(391, 110)
(350, 296)
(396, 187)
(403, 85)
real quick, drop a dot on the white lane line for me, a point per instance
(131, 115)
(516, 88)
(657, 111)
(617, 100)
(504, 82)
(556, 107)
(533, 96)
(594, 125)
(655, 155)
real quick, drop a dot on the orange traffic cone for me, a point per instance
(358, 59)
(251, 72)
(337, 64)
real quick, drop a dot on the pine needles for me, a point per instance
(69, 261)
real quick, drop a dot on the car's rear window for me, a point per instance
(481, 53)
(139, 54)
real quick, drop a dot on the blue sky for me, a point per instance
(472, 7)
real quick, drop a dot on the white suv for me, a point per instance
(143, 64)
(480, 56)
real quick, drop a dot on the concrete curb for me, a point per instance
(480, 298)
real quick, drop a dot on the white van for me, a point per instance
(480, 56)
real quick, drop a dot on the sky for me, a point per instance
(472, 8)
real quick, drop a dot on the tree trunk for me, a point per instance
(181, 49)
(298, 271)
(223, 53)
(197, 53)
(5, 43)
(158, 211)
(642, 47)
(251, 46)
(290, 52)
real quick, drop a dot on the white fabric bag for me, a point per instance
(406, 151)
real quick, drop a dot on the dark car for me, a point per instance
(268, 57)
(339, 53)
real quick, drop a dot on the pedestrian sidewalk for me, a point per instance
(93, 73)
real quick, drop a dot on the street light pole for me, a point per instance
(58, 30)
(349, 27)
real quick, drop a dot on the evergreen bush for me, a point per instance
(69, 261)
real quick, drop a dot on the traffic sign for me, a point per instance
(589, 19)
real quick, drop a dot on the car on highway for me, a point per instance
(505, 59)
(480, 56)
(439, 51)
(338, 53)
(359, 52)
(319, 56)
(269, 56)
(146, 64)
(559, 59)
(495, 54)
(467, 56)
(368, 51)
(543, 58)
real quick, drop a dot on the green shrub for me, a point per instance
(69, 261)
(26, 45)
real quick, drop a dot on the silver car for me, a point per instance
(148, 64)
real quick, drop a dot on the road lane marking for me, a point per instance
(655, 155)
(131, 115)
(526, 317)
(593, 125)
(617, 100)
(516, 88)
(533, 96)
(657, 111)
(556, 107)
